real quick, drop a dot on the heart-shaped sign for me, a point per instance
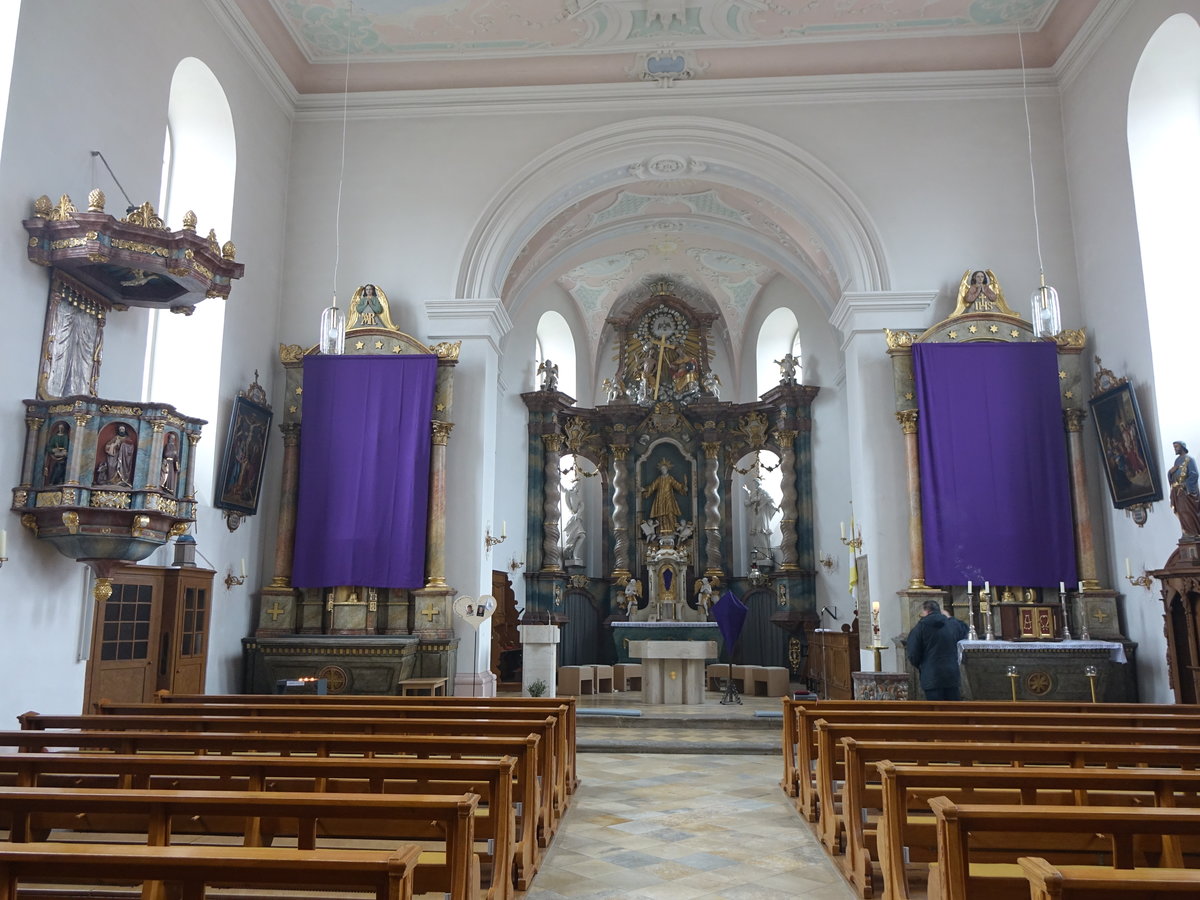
(476, 612)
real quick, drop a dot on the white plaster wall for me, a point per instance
(1095, 111)
(103, 83)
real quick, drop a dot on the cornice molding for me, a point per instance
(869, 312)
(255, 53)
(468, 319)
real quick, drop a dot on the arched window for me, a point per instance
(183, 353)
(556, 344)
(9, 16)
(1164, 144)
(779, 335)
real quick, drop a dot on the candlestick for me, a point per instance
(1066, 626)
(970, 587)
(972, 634)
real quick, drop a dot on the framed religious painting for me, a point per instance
(1129, 466)
(239, 480)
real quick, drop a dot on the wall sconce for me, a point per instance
(231, 579)
(515, 564)
(1143, 580)
(489, 542)
(854, 542)
(828, 561)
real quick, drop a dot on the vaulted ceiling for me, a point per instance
(709, 232)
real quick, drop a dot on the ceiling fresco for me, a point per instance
(660, 217)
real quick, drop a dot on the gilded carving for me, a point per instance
(64, 210)
(96, 200)
(212, 243)
(898, 338)
(441, 432)
(553, 442)
(49, 498)
(163, 504)
(448, 350)
(579, 581)
(142, 247)
(41, 209)
(753, 427)
(619, 452)
(228, 250)
(1071, 339)
(177, 530)
(110, 500)
(71, 520)
(68, 497)
(577, 432)
(908, 420)
(20, 498)
(189, 220)
(1073, 419)
(29, 520)
(64, 243)
(785, 439)
(145, 216)
(290, 353)
(139, 526)
(121, 410)
(712, 449)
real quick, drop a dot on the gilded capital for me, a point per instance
(441, 432)
(897, 339)
(81, 419)
(553, 442)
(291, 433)
(34, 423)
(447, 350)
(712, 449)
(908, 420)
(618, 451)
(290, 353)
(1073, 419)
(785, 439)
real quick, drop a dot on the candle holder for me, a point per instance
(1143, 580)
(1012, 681)
(985, 608)
(828, 561)
(1091, 673)
(972, 634)
(854, 542)
(877, 649)
(232, 580)
(489, 542)
(1066, 625)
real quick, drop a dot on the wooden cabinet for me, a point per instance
(832, 662)
(506, 639)
(150, 635)
(1180, 581)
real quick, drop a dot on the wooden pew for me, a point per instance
(502, 702)
(524, 750)
(388, 874)
(313, 705)
(956, 876)
(258, 816)
(809, 751)
(908, 788)
(798, 719)
(1048, 882)
(985, 727)
(492, 780)
(862, 795)
(549, 771)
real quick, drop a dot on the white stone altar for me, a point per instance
(673, 671)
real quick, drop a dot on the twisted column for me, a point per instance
(1085, 546)
(712, 509)
(435, 551)
(551, 552)
(787, 525)
(285, 536)
(916, 537)
(620, 512)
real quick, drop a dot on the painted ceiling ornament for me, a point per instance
(666, 166)
(666, 65)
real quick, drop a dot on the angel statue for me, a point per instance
(704, 595)
(633, 590)
(549, 373)
(980, 292)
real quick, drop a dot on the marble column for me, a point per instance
(33, 428)
(1085, 546)
(551, 552)
(712, 509)
(189, 481)
(285, 538)
(154, 468)
(622, 565)
(787, 525)
(435, 550)
(916, 539)
(75, 453)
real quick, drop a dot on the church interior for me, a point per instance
(493, 348)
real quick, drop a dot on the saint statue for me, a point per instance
(761, 509)
(704, 595)
(664, 509)
(169, 480)
(116, 467)
(1185, 491)
(54, 466)
(549, 373)
(787, 368)
(573, 531)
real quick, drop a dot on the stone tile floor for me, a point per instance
(680, 826)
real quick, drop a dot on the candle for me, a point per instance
(875, 616)
(842, 525)
(1128, 571)
(1062, 587)
(3, 543)
(970, 587)
(504, 528)
(243, 568)
(1081, 587)
(987, 588)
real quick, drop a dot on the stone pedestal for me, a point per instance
(673, 671)
(539, 644)
(880, 685)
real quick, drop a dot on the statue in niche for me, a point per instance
(761, 509)
(169, 478)
(573, 531)
(664, 509)
(54, 466)
(116, 466)
(704, 595)
(633, 590)
(1185, 491)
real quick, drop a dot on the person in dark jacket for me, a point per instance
(933, 649)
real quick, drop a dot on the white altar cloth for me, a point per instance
(1116, 651)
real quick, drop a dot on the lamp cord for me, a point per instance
(1037, 234)
(337, 241)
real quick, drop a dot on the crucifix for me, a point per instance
(429, 612)
(662, 349)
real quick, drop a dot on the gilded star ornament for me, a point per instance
(973, 329)
(1070, 395)
(358, 345)
(908, 395)
(299, 391)
(1014, 333)
(1062, 375)
(379, 345)
(953, 335)
(396, 349)
(293, 409)
(993, 328)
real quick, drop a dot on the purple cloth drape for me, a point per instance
(995, 484)
(730, 613)
(363, 501)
